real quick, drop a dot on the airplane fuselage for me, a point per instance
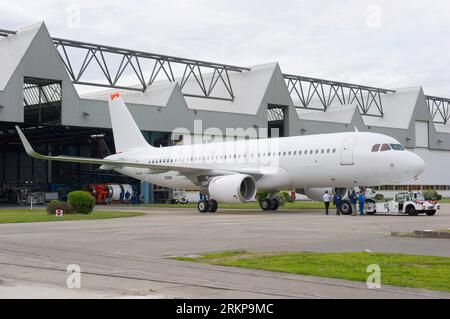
(327, 160)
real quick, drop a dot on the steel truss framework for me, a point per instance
(275, 114)
(40, 91)
(103, 57)
(439, 108)
(304, 89)
(328, 93)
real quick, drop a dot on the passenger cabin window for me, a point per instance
(385, 147)
(376, 148)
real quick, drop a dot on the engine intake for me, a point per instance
(236, 188)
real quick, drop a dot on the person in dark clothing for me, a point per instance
(337, 201)
(134, 199)
(353, 199)
(127, 197)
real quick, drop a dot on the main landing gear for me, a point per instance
(269, 204)
(207, 206)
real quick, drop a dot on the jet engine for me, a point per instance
(236, 188)
(316, 194)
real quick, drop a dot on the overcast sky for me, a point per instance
(392, 44)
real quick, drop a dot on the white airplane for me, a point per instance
(232, 172)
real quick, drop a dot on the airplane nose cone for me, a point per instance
(416, 164)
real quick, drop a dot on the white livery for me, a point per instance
(233, 171)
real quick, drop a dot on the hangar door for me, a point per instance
(348, 148)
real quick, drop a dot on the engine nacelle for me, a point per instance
(316, 194)
(236, 188)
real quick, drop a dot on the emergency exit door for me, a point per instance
(347, 151)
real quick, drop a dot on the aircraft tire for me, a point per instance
(203, 206)
(275, 204)
(265, 204)
(346, 207)
(213, 206)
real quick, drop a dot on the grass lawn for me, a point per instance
(40, 215)
(424, 272)
(252, 205)
(445, 201)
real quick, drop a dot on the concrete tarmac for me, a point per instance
(128, 258)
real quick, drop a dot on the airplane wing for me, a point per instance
(157, 168)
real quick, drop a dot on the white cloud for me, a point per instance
(321, 38)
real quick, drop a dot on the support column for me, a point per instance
(146, 188)
(145, 191)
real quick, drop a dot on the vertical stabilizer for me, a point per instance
(127, 134)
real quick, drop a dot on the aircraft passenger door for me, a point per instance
(348, 148)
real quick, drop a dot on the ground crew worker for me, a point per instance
(362, 200)
(337, 201)
(326, 201)
(127, 197)
(353, 199)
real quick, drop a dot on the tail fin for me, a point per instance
(125, 130)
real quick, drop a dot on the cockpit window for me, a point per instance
(397, 147)
(385, 147)
(376, 148)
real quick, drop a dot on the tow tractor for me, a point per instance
(411, 203)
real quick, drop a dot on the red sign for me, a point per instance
(59, 212)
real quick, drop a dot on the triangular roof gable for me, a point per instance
(13, 49)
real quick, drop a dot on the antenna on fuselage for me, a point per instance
(356, 130)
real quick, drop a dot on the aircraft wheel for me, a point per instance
(346, 208)
(265, 204)
(275, 204)
(213, 206)
(203, 206)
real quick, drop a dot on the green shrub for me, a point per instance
(283, 197)
(432, 195)
(379, 197)
(82, 202)
(56, 204)
(261, 195)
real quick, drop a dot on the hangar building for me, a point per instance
(41, 76)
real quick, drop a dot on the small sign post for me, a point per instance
(59, 212)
